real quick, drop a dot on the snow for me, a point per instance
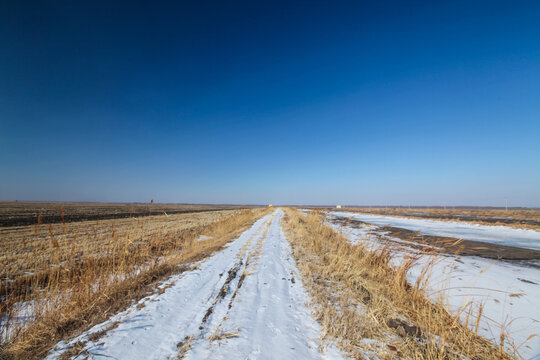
(362, 232)
(204, 237)
(369, 236)
(509, 291)
(25, 314)
(504, 235)
(267, 316)
(508, 300)
(269, 313)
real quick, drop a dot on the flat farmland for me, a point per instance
(57, 278)
(30, 213)
(268, 283)
(516, 218)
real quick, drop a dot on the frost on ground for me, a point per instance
(508, 290)
(504, 235)
(246, 302)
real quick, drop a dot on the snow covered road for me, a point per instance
(246, 302)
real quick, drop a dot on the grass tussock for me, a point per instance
(364, 303)
(65, 282)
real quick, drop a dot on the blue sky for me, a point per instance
(271, 102)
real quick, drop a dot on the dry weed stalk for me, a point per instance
(364, 303)
(71, 282)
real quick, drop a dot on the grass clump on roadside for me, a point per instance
(368, 306)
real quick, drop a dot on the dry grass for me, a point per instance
(365, 304)
(519, 219)
(72, 276)
(19, 245)
(26, 213)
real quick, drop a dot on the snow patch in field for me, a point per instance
(370, 236)
(529, 239)
(25, 314)
(360, 234)
(204, 237)
(510, 295)
(509, 291)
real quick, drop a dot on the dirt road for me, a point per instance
(246, 302)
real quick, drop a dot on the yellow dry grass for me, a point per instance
(74, 275)
(28, 249)
(363, 303)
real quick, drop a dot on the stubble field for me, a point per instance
(214, 282)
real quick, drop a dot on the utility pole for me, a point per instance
(506, 201)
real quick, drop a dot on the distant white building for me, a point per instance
(270, 205)
(338, 206)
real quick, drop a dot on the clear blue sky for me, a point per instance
(298, 102)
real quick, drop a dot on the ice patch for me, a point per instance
(529, 239)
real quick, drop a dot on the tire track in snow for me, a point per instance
(217, 312)
(155, 330)
(268, 317)
(241, 303)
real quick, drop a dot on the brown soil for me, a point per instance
(451, 245)
(28, 213)
(526, 219)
